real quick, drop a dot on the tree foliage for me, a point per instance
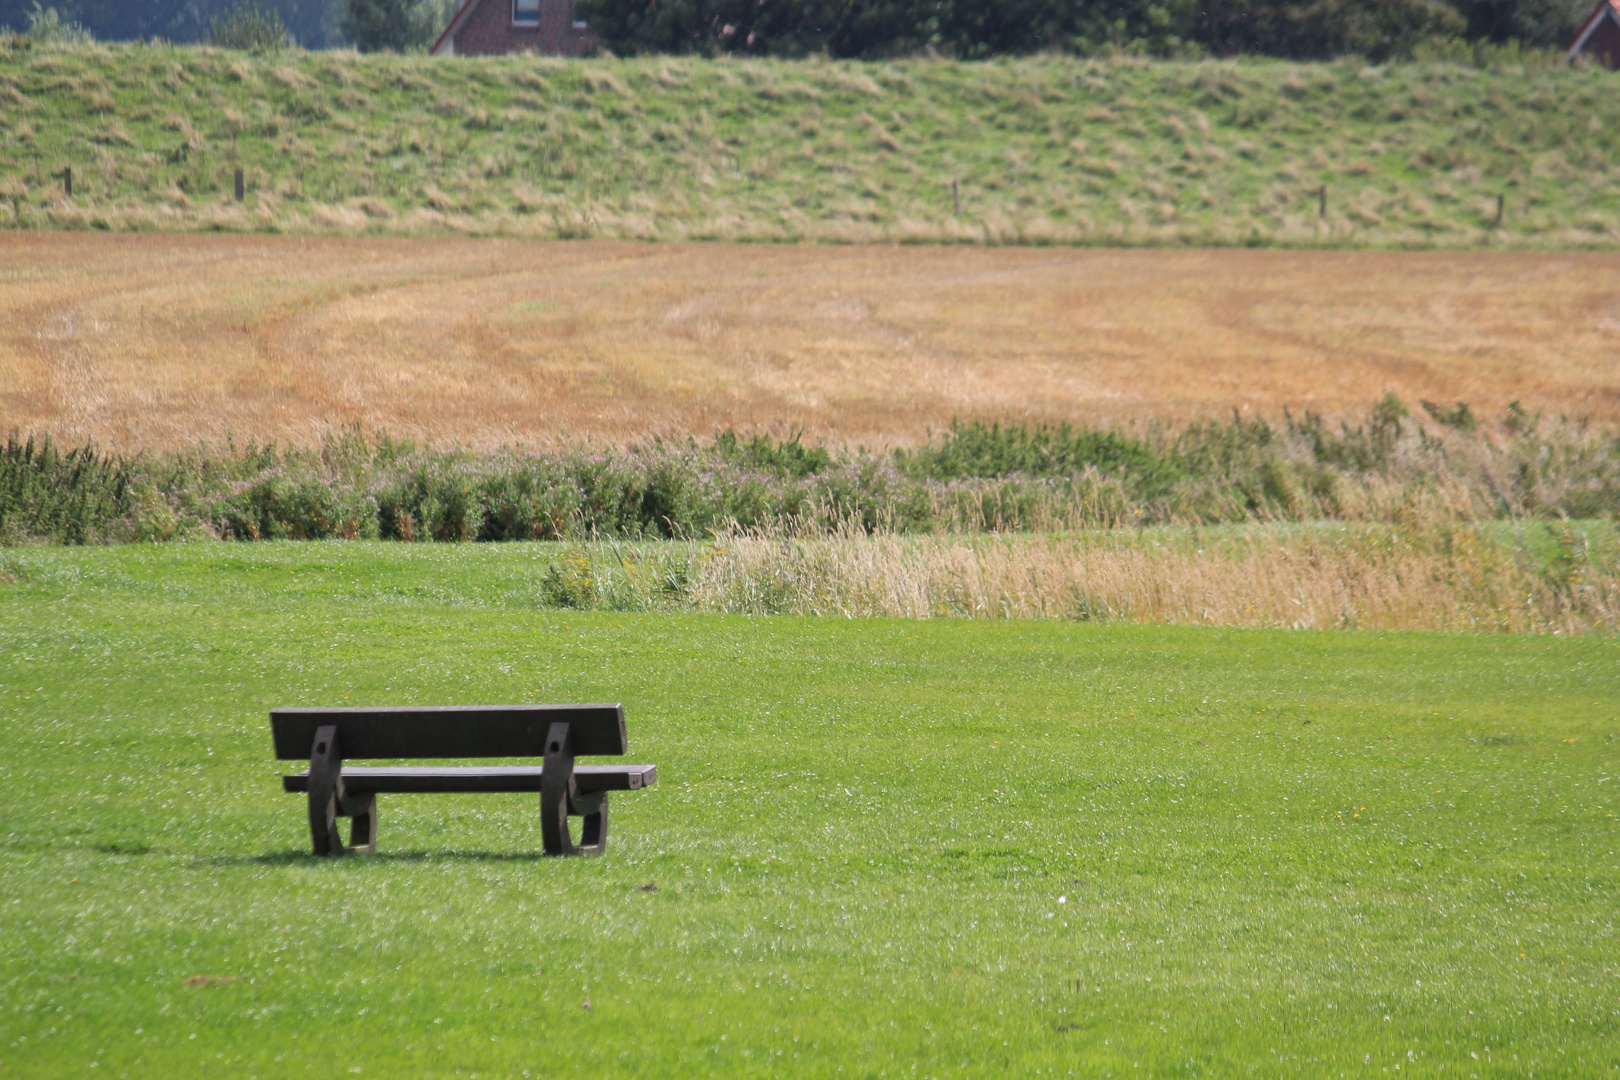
(311, 23)
(876, 28)
(47, 27)
(1305, 29)
(1321, 29)
(1536, 23)
(248, 27)
(389, 25)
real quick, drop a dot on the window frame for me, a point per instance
(522, 20)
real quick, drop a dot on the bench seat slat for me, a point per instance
(377, 780)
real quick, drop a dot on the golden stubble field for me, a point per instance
(161, 341)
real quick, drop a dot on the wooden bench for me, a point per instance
(555, 733)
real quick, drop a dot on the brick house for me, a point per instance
(493, 27)
(1599, 36)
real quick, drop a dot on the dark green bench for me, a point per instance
(557, 734)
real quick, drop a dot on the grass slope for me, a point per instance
(1047, 150)
(879, 848)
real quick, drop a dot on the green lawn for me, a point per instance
(880, 848)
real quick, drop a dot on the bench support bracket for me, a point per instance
(328, 801)
(560, 797)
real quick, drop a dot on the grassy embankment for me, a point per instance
(1046, 150)
(959, 847)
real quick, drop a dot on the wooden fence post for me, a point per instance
(67, 181)
(1501, 201)
(956, 195)
(1321, 201)
(239, 191)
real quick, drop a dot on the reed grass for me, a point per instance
(1547, 579)
(976, 477)
(1391, 524)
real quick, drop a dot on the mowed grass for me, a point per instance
(879, 847)
(1044, 150)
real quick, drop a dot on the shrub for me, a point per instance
(527, 500)
(975, 448)
(72, 497)
(790, 457)
(1459, 416)
(278, 506)
(389, 25)
(1321, 29)
(47, 27)
(249, 28)
(437, 499)
(977, 477)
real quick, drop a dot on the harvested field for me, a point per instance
(151, 341)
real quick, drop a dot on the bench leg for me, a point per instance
(593, 812)
(325, 777)
(324, 836)
(362, 813)
(557, 791)
(560, 798)
(328, 802)
(554, 823)
(593, 833)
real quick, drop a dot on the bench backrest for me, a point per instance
(450, 731)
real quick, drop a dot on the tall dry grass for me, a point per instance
(1539, 579)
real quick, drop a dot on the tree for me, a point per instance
(388, 25)
(1546, 23)
(1319, 29)
(876, 28)
(47, 27)
(248, 27)
(711, 27)
(975, 29)
(307, 21)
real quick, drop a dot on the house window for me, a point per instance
(526, 12)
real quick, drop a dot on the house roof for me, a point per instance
(461, 16)
(1605, 8)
